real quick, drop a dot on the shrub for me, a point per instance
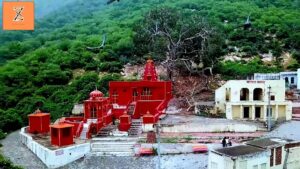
(7, 164)
(2, 134)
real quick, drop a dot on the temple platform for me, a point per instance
(54, 156)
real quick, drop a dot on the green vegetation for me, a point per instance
(242, 69)
(7, 164)
(51, 67)
(2, 135)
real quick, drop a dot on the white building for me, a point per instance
(284, 153)
(291, 78)
(239, 157)
(268, 153)
(248, 99)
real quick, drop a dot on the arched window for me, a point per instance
(286, 80)
(244, 94)
(258, 94)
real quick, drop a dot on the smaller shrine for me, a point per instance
(61, 134)
(38, 122)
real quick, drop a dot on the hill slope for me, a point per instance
(51, 66)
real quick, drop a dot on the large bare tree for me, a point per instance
(183, 38)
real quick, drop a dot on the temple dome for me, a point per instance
(96, 94)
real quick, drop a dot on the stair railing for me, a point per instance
(79, 129)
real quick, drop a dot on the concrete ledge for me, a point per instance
(214, 127)
(54, 158)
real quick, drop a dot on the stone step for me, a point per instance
(114, 143)
(135, 127)
(112, 149)
(115, 139)
(296, 116)
(112, 153)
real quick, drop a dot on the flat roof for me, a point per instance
(38, 114)
(268, 142)
(61, 125)
(239, 150)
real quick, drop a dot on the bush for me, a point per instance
(2, 134)
(112, 67)
(7, 164)
(240, 70)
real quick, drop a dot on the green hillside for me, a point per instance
(53, 68)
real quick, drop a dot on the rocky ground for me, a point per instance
(20, 155)
(183, 161)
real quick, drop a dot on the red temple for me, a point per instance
(146, 99)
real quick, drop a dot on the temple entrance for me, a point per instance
(257, 112)
(246, 112)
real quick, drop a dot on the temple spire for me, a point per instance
(150, 72)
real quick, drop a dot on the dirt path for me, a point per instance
(18, 153)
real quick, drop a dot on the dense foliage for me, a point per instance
(51, 68)
(242, 69)
(7, 164)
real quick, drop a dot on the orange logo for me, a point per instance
(18, 15)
